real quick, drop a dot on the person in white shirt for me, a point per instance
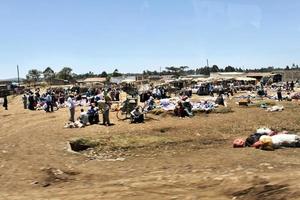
(137, 116)
(49, 103)
(84, 118)
(71, 106)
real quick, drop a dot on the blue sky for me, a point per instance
(133, 35)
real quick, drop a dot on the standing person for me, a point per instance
(24, 99)
(106, 108)
(49, 103)
(71, 106)
(31, 101)
(117, 94)
(163, 93)
(211, 89)
(5, 103)
(292, 86)
(279, 94)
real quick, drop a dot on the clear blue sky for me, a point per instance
(133, 35)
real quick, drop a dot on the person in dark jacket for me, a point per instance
(292, 86)
(24, 99)
(279, 94)
(31, 102)
(5, 103)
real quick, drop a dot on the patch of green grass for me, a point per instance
(134, 141)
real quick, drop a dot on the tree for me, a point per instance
(229, 69)
(177, 71)
(103, 74)
(240, 70)
(116, 73)
(65, 74)
(205, 70)
(287, 67)
(214, 68)
(33, 76)
(49, 75)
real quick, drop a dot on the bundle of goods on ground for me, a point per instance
(267, 139)
(170, 104)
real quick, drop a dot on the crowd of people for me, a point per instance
(99, 101)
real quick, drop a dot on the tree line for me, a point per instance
(183, 70)
(67, 74)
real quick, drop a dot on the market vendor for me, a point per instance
(137, 116)
(279, 94)
(93, 115)
(187, 108)
(179, 109)
(84, 118)
(220, 100)
(149, 104)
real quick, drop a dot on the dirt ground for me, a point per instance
(164, 158)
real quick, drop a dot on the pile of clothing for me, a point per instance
(168, 104)
(76, 124)
(267, 139)
(296, 95)
(204, 106)
(275, 109)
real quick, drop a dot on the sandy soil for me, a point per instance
(181, 159)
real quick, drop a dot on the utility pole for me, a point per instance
(18, 75)
(207, 63)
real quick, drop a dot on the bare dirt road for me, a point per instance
(165, 158)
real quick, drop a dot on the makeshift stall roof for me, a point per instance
(128, 81)
(185, 79)
(94, 80)
(170, 81)
(216, 79)
(259, 74)
(244, 79)
(201, 79)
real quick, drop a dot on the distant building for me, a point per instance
(265, 76)
(289, 75)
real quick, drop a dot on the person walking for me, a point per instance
(5, 103)
(24, 99)
(106, 108)
(71, 106)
